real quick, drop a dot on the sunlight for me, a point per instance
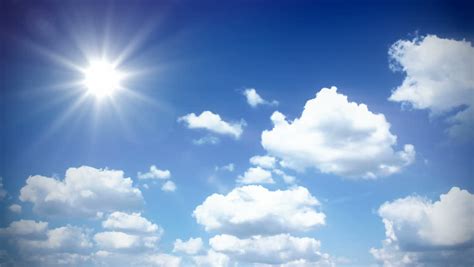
(101, 78)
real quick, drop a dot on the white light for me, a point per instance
(102, 79)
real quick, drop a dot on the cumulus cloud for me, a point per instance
(419, 231)
(15, 208)
(24, 228)
(85, 191)
(255, 210)
(438, 78)
(211, 259)
(336, 136)
(155, 173)
(267, 162)
(213, 122)
(191, 246)
(120, 241)
(254, 99)
(168, 186)
(130, 222)
(256, 175)
(277, 249)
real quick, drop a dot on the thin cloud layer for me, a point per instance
(85, 191)
(213, 123)
(255, 210)
(419, 231)
(438, 78)
(336, 136)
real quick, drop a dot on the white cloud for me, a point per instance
(163, 260)
(25, 228)
(288, 179)
(3, 192)
(169, 186)
(419, 231)
(254, 99)
(213, 122)
(212, 259)
(229, 167)
(191, 246)
(15, 208)
(251, 210)
(148, 259)
(438, 78)
(85, 191)
(266, 162)
(256, 175)
(277, 249)
(155, 173)
(66, 239)
(336, 136)
(115, 240)
(130, 222)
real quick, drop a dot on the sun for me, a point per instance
(102, 78)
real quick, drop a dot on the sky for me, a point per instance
(236, 133)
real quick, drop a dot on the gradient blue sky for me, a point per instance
(197, 56)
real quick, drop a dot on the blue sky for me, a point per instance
(409, 61)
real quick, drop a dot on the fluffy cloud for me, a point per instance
(128, 231)
(256, 175)
(251, 210)
(25, 228)
(336, 136)
(130, 222)
(254, 99)
(191, 246)
(421, 232)
(263, 161)
(155, 173)
(212, 259)
(438, 78)
(84, 191)
(277, 249)
(15, 208)
(213, 122)
(169, 186)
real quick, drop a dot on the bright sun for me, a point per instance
(101, 78)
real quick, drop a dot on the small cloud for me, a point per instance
(229, 167)
(256, 175)
(15, 208)
(210, 139)
(254, 99)
(267, 162)
(191, 246)
(214, 123)
(155, 173)
(3, 192)
(169, 186)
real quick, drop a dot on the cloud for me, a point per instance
(24, 228)
(3, 192)
(266, 162)
(15, 208)
(336, 136)
(277, 249)
(229, 167)
(191, 246)
(163, 260)
(213, 122)
(256, 175)
(288, 179)
(438, 78)
(155, 173)
(254, 99)
(251, 210)
(169, 186)
(419, 231)
(209, 139)
(130, 222)
(85, 191)
(211, 259)
(120, 241)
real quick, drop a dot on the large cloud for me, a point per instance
(421, 232)
(277, 249)
(336, 136)
(213, 122)
(85, 191)
(254, 209)
(438, 78)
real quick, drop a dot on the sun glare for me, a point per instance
(101, 78)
